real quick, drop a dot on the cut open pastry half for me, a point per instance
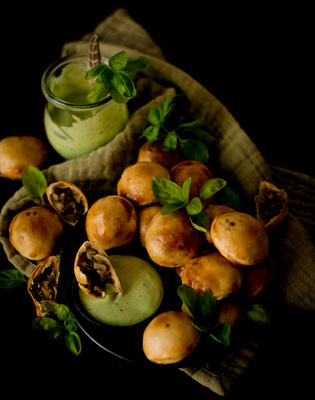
(271, 204)
(43, 282)
(67, 200)
(93, 271)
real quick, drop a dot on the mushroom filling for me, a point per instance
(69, 205)
(44, 286)
(270, 204)
(95, 267)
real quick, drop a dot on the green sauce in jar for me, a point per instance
(142, 296)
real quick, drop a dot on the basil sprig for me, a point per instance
(116, 78)
(204, 310)
(173, 197)
(191, 139)
(60, 324)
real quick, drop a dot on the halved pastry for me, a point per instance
(43, 282)
(67, 200)
(93, 271)
(271, 204)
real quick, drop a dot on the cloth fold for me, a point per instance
(239, 160)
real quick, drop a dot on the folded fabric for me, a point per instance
(239, 160)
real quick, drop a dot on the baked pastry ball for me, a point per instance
(212, 272)
(197, 171)
(145, 216)
(135, 182)
(240, 238)
(154, 152)
(111, 222)
(171, 240)
(18, 152)
(34, 232)
(170, 337)
(258, 277)
(213, 210)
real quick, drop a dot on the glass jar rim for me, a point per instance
(48, 73)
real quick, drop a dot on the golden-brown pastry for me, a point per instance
(271, 204)
(240, 238)
(197, 171)
(213, 210)
(258, 277)
(34, 232)
(171, 240)
(212, 272)
(67, 200)
(135, 182)
(93, 271)
(145, 216)
(230, 313)
(111, 222)
(170, 337)
(43, 282)
(154, 152)
(18, 152)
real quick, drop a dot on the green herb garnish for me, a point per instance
(11, 278)
(258, 314)
(173, 197)
(34, 182)
(204, 310)
(115, 79)
(189, 136)
(60, 324)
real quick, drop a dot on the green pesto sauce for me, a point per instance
(142, 296)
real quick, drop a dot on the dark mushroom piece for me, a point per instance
(67, 200)
(93, 271)
(43, 282)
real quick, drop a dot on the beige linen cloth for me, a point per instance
(238, 158)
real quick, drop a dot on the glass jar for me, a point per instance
(73, 125)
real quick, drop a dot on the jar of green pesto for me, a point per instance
(73, 125)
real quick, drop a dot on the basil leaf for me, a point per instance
(210, 187)
(10, 278)
(170, 142)
(205, 137)
(56, 334)
(63, 313)
(34, 181)
(135, 65)
(221, 334)
(200, 326)
(94, 72)
(200, 221)
(167, 192)
(168, 104)
(186, 189)
(151, 132)
(99, 91)
(46, 324)
(193, 149)
(190, 299)
(195, 123)
(118, 61)
(194, 207)
(124, 85)
(116, 96)
(258, 314)
(169, 208)
(155, 115)
(228, 197)
(208, 304)
(73, 342)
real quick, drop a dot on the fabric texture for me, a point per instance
(239, 160)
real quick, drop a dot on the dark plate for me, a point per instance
(123, 342)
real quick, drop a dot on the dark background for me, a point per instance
(258, 62)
